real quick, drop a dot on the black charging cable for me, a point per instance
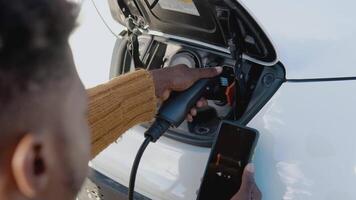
(171, 114)
(135, 167)
(152, 134)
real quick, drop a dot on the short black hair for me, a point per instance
(33, 35)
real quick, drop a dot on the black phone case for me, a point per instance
(214, 146)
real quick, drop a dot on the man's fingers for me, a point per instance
(207, 72)
(165, 95)
(202, 103)
(248, 180)
(189, 118)
(248, 189)
(193, 112)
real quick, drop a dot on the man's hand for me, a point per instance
(248, 189)
(180, 78)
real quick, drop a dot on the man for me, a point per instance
(45, 141)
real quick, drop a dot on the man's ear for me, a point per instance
(29, 166)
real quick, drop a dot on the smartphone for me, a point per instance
(232, 151)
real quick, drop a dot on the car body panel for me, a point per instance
(306, 149)
(307, 142)
(169, 170)
(307, 131)
(313, 39)
(93, 67)
(103, 9)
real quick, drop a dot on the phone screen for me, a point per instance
(231, 153)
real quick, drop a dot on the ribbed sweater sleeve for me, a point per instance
(118, 105)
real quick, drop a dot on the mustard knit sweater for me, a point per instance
(118, 105)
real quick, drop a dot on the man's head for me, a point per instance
(44, 137)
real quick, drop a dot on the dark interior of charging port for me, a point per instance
(158, 52)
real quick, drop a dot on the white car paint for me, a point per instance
(313, 39)
(92, 45)
(168, 170)
(307, 144)
(306, 150)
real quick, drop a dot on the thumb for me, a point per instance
(248, 179)
(207, 72)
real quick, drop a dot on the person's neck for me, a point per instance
(6, 191)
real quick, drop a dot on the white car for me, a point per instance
(298, 62)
